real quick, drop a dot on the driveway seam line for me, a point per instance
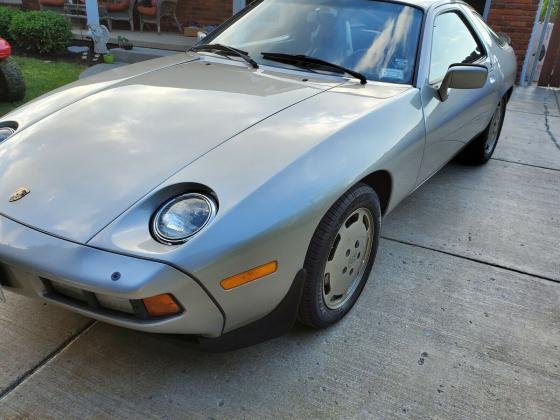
(526, 164)
(473, 260)
(59, 349)
(525, 112)
(547, 125)
(539, 114)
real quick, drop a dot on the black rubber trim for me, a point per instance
(90, 303)
(139, 257)
(4, 280)
(279, 322)
(88, 299)
(140, 309)
(91, 300)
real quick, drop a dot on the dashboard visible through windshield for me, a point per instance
(375, 38)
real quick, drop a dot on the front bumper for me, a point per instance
(31, 261)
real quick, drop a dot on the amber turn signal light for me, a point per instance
(161, 305)
(249, 276)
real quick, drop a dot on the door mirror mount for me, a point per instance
(462, 76)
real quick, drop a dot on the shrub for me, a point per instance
(6, 16)
(545, 8)
(41, 32)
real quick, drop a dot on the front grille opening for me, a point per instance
(95, 302)
(115, 303)
(73, 293)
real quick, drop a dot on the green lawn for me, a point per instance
(41, 77)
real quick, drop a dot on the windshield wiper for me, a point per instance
(219, 48)
(301, 60)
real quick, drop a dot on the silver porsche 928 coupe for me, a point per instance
(230, 190)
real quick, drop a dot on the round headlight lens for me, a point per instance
(6, 132)
(182, 217)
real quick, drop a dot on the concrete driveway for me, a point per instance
(461, 318)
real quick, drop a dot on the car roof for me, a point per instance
(426, 4)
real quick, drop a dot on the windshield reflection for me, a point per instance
(376, 38)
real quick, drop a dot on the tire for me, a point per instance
(480, 150)
(323, 302)
(12, 84)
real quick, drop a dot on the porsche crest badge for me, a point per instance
(19, 194)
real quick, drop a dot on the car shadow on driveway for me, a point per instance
(460, 318)
(432, 334)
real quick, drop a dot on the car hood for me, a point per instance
(94, 155)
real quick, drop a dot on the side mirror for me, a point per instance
(505, 37)
(461, 76)
(200, 35)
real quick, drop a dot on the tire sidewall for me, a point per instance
(362, 196)
(488, 155)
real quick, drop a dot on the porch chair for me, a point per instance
(76, 9)
(120, 10)
(153, 14)
(52, 5)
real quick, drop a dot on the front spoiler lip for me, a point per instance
(32, 255)
(87, 244)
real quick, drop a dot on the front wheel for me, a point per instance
(340, 257)
(480, 150)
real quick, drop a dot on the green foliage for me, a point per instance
(42, 77)
(41, 32)
(6, 16)
(545, 8)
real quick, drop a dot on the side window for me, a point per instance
(452, 43)
(482, 29)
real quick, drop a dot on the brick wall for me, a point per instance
(205, 12)
(515, 18)
(30, 4)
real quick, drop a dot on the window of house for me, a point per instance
(453, 42)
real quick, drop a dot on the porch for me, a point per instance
(174, 15)
(172, 41)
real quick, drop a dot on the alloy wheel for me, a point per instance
(494, 130)
(348, 258)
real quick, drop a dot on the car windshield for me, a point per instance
(375, 38)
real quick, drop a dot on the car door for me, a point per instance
(451, 124)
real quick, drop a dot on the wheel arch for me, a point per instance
(382, 182)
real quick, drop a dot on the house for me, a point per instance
(513, 17)
(516, 18)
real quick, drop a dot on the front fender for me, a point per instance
(274, 183)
